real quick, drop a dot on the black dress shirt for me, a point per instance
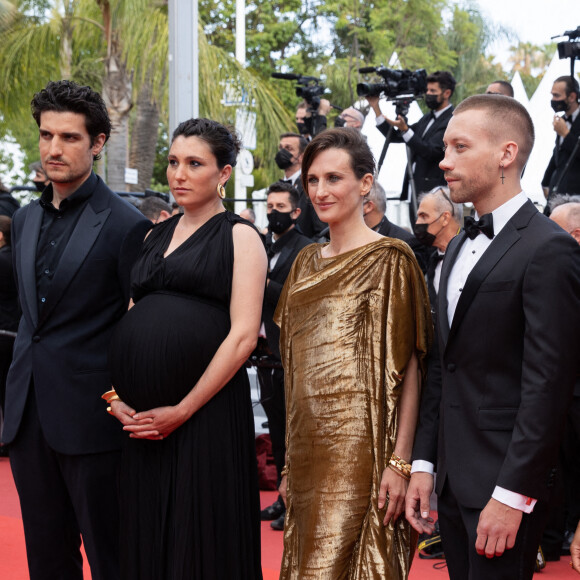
(55, 232)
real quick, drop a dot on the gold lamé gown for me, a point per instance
(349, 325)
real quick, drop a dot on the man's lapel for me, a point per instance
(442, 304)
(31, 230)
(84, 235)
(508, 236)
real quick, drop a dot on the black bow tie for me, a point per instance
(483, 225)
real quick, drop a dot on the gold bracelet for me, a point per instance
(403, 474)
(110, 396)
(284, 471)
(400, 466)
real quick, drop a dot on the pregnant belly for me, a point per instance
(162, 346)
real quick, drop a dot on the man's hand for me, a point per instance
(575, 550)
(324, 107)
(560, 126)
(497, 529)
(374, 104)
(400, 124)
(417, 502)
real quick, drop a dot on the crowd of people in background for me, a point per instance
(391, 355)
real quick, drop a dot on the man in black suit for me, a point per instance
(565, 94)
(496, 398)
(73, 250)
(424, 138)
(283, 242)
(438, 222)
(374, 214)
(289, 159)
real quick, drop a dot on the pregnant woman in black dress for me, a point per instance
(189, 496)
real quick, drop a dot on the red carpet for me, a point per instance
(13, 553)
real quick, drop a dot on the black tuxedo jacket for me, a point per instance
(500, 379)
(427, 151)
(571, 181)
(391, 230)
(276, 278)
(62, 350)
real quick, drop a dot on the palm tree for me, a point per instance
(106, 45)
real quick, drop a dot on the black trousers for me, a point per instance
(458, 525)
(274, 403)
(64, 497)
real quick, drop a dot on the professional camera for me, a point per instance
(398, 83)
(571, 48)
(309, 88)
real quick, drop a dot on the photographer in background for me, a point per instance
(424, 138)
(563, 171)
(311, 118)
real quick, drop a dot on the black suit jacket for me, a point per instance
(62, 350)
(500, 379)
(307, 222)
(391, 230)
(276, 278)
(427, 151)
(560, 156)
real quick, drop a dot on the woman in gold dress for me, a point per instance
(355, 328)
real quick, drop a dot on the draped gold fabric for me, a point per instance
(349, 325)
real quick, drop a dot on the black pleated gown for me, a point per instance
(189, 504)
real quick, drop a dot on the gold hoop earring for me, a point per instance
(221, 191)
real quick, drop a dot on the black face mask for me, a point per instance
(39, 185)
(339, 122)
(424, 236)
(279, 221)
(284, 159)
(559, 106)
(432, 101)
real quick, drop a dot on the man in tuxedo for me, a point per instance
(565, 94)
(501, 374)
(374, 214)
(424, 138)
(289, 159)
(438, 222)
(283, 242)
(73, 250)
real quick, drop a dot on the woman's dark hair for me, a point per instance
(223, 141)
(68, 97)
(5, 223)
(351, 140)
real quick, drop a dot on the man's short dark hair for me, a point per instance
(571, 85)
(508, 119)
(444, 78)
(302, 142)
(151, 207)
(285, 187)
(507, 86)
(68, 97)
